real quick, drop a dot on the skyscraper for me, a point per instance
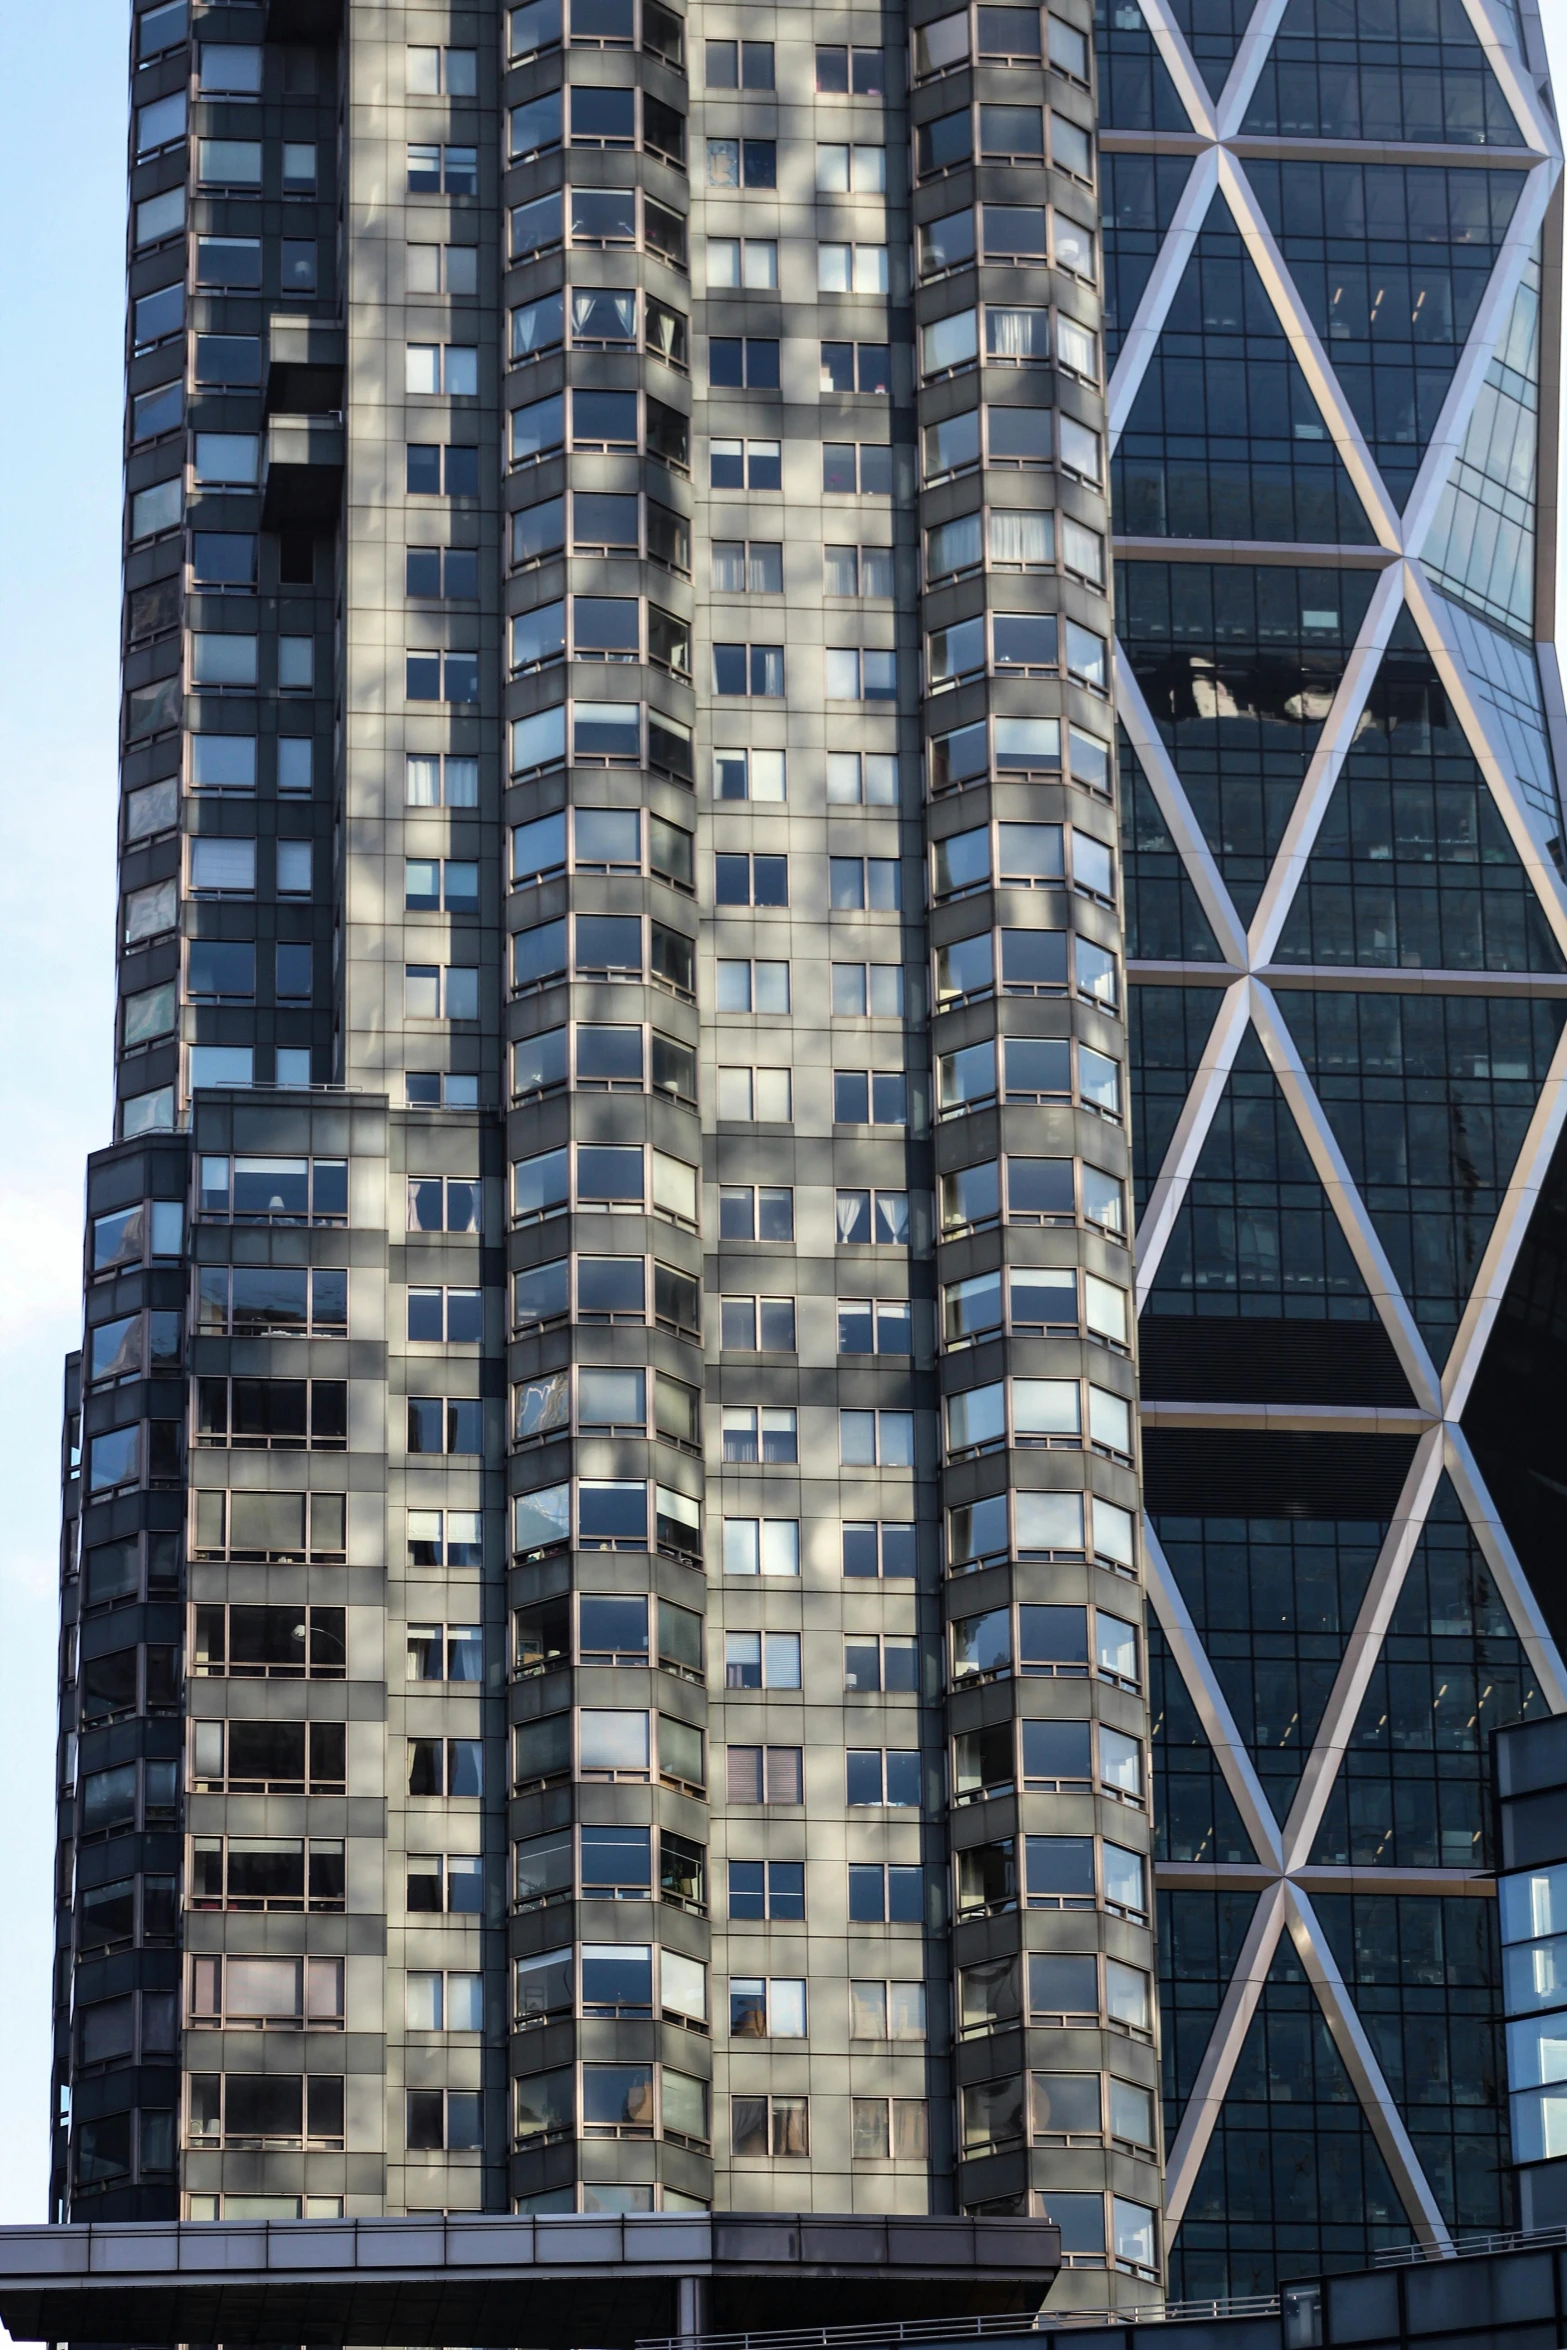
(604, 1660)
(1330, 258)
(604, 1650)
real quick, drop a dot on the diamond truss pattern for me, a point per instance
(1217, 186)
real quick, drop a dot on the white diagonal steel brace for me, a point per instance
(1350, 2038)
(1333, 1174)
(1222, 2053)
(1170, 796)
(1338, 733)
(1250, 58)
(1531, 114)
(1191, 1132)
(1362, 1650)
(1517, 1593)
(1306, 344)
(1524, 1186)
(1425, 607)
(1490, 324)
(1190, 87)
(1211, 1704)
(1163, 279)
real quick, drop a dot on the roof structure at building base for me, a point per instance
(557, 2282)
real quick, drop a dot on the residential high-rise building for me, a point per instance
(604, 1662)
(604, 1653)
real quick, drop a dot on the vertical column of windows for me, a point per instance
(609, 1762)
(1052, 1884)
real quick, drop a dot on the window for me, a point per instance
(746, 465)
(444, 1538)
(875, 1326)
(858, 571)
(742, 163)
(857, 468)
(432, 885)
(431, 781)
(266, 1873)
(766, 2008)
(432, 467)
(442, 677)
(764, 1095)
(252, 1300)
(770, 2128)
(734, 262)
(437, 73)
(451, 1424)
(761, 1660)
(772, 1889)
(453, 171)
(867, 779)
(445, 1766)
(761, 1546)
(752, 987)
(889, 2129)
(443, 1203)
(443, 2118)
(255, 1757)
(885, 1662)
(432, 992)
(756, 670)
(749, 775)
(859, 883)
(751, 880)
(765, 1774)
(452, 369)
(867, 991)
(871, 1549)
(876, 1439)
(739, 65)
(886, 2011)
(283, 1414)
(265, 2109)
(884, 1776)
(874, 1097)
(747, 567)
(851, 269)
(757, 1324)
(851, 367)
(743, 363)
(841, 71)
(892, 1896)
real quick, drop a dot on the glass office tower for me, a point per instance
(1330, 268)
(604, 1663)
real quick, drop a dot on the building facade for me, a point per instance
(604, 1660)
(604, 1663)
(1331, 269)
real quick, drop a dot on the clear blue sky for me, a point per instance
(61, 297)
